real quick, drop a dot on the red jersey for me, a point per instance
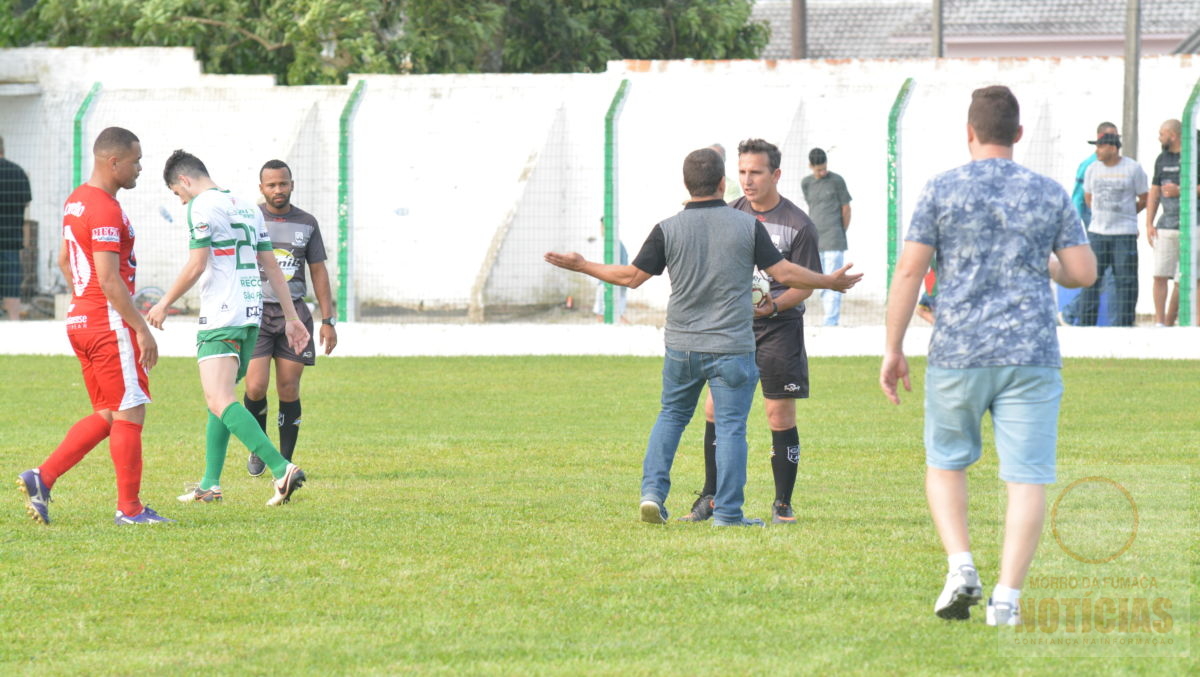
(93, 221)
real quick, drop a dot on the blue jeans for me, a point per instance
(731, 379)
(10, 273)
(1118, 252)
(830, 299)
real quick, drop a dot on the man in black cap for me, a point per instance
(1115, 188)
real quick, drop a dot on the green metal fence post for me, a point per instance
(345, 296)
(611, 240)
(77, 143)
(893, 177)
(1187, 212)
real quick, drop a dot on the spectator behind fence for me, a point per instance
(14, 199)
(829, 205)
(1115, 188)
(1070, 314)
(1164, 238)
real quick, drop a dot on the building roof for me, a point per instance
(901, 28)
(873, 22)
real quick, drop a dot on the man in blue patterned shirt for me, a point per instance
(1000, 233)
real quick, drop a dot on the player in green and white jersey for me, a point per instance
(229, 243)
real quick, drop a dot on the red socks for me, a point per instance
(126, 448)
(80, 439)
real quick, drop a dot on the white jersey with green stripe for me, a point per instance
(233, 230)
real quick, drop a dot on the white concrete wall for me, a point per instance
(460, 178)
(441, 163)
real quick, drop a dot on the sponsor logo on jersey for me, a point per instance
(200, 230)
(254, 311)
(76, 320)
(298, 240)
(106, 234)
(73, 209)
(224, 251)
(203, 320)
(224, 307)
(287, 263)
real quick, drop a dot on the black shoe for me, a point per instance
(255, 465)
(702, 509)
(781, 513)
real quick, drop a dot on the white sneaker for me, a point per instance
(293, 478)
(963, 591)
(653, 512)
(195, 494)
(1003, 613)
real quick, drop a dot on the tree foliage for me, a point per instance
(322, 41)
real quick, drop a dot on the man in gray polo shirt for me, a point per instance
(711, 251)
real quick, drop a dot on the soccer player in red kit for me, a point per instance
(110, 338)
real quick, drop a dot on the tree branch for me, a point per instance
(221, 24)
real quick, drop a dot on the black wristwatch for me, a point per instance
(775, 310)
(329, 321)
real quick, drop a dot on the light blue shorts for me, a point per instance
(1024, 404)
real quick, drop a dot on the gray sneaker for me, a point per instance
(743, 522)
(963, 591)
(255, 465)
(653, 512)
(1003, 613)
(701, 510)
(781, 513)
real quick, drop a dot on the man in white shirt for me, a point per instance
(1115, 188)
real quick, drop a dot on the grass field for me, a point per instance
(479, 515)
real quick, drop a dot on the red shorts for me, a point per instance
(111, 372)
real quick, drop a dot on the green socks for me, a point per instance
(239, 421)
(216, 441)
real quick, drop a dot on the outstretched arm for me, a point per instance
(624, 275)
(799, 277)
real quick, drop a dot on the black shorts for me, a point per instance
(782, 361)
(272, 341)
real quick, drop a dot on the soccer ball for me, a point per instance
(760, 290)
